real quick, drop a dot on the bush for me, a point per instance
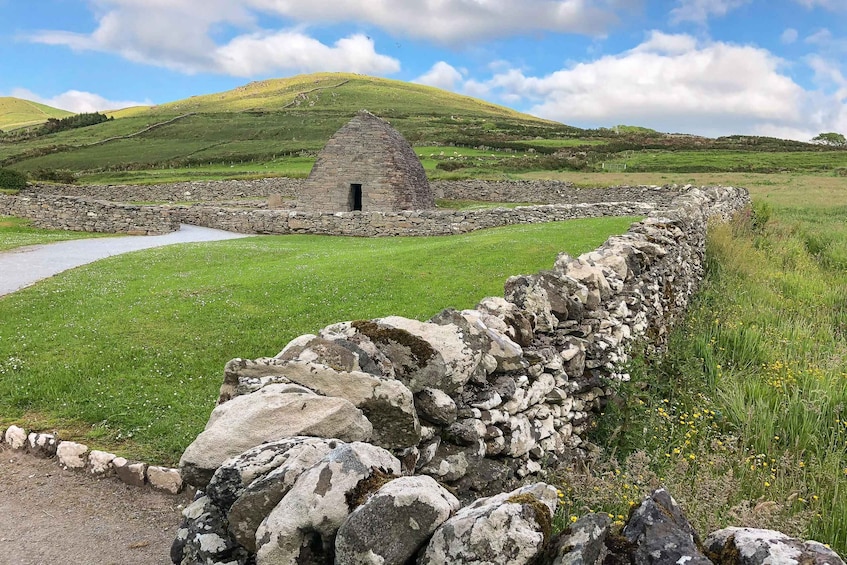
(12, 180)
(55, 175)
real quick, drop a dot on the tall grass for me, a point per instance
(745, 417)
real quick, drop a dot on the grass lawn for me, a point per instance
(17, 232)
(127, 353)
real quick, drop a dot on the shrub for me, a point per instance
(55, 175)
(12, 180)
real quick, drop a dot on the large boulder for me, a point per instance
(662, 534)
(301, 529)
(424, 354)
(394, 523)
(386, 402)
(750, 546)
(510, 528)
(274, 412)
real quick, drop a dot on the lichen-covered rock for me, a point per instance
(583, 543)
(272, 413)
(202, 538)
(662, 534)
(259, 497)
(394, 523)
(424, 354)
(386, 402)
(510, 528)
(529, 294)
(301, 529)
(436, 406)
(750, 546)
(515, 323)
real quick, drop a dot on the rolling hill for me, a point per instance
(263, 120)
(16, 113)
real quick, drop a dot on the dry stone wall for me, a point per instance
(75, 214)
(381, 224)
(550, 192)
(528, 191)
(193, 191)
(339, 448)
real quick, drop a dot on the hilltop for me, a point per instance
(16, 113)
(265, 120)
(276, 127)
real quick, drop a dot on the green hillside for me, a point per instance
(16, 113)
(266, 120)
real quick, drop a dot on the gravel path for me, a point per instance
(24, 266)
(49, 516)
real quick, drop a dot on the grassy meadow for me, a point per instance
(745, 418)
(18, 232)
(128, 353)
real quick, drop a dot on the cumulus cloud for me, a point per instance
(180, 35)
(441, 75)
(679, 84)
(459, 21)
(262, 53)
(699, 11)
(225, 36)
(77, 101)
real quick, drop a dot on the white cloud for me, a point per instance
(459, 21)
(185, 35)
(441, 75)
(260, 53)
(699, 11)
(675, 83)
(77, 101)
(179, 35)
(789, 36)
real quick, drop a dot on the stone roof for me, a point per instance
(369, 154)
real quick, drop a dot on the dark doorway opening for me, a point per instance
(355, 197)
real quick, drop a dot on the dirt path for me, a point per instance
(50, 516)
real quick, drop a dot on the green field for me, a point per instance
(16, 113)
(128, 353)
(18, 232)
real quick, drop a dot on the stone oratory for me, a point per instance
(367, 166)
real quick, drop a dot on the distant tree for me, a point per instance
(54, 125)
(830, 138)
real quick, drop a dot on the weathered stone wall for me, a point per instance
(69, 213)
(529, 191)
(367, 151)
(194, 191)
(523, 371)
(380, 224)
(550, 192)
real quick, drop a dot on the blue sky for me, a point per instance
(709, 67)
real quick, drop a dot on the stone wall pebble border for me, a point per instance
(75, 456)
